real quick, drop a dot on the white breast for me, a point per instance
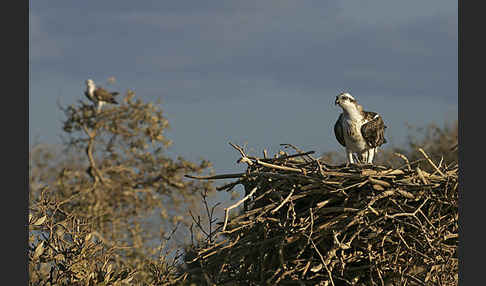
(352, 135)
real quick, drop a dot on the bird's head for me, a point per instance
(344, 100)
(90, 83)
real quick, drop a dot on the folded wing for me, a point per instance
(338, 130)
(374, 130)
(104, 95)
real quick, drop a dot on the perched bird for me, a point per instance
(99, 95)
(360, 132)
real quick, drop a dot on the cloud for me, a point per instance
(224, 50)
(258, 71)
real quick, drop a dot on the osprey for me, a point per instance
(99, 95)
(361, 132)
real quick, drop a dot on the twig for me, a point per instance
(421, 175)
(226, 210)
(283, 168)
(283, 202)
(284, 157)
(216, 177)
(323, 261)
(430, 162)
(299, 212)
(404, 159)
(239, 149)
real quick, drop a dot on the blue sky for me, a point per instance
(255, 72)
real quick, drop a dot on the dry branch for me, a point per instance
(345, 225)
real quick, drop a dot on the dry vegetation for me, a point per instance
(110, 207)
(107, 208)
(305, 222)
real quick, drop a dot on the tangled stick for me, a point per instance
(342, 225)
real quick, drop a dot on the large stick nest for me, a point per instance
(305, 222)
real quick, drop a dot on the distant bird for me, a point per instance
(360, 132)
(99, 95)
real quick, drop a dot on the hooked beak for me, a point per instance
(336, 102)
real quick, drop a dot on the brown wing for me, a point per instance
(338, 130)
(374, 130)
(102, 95)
